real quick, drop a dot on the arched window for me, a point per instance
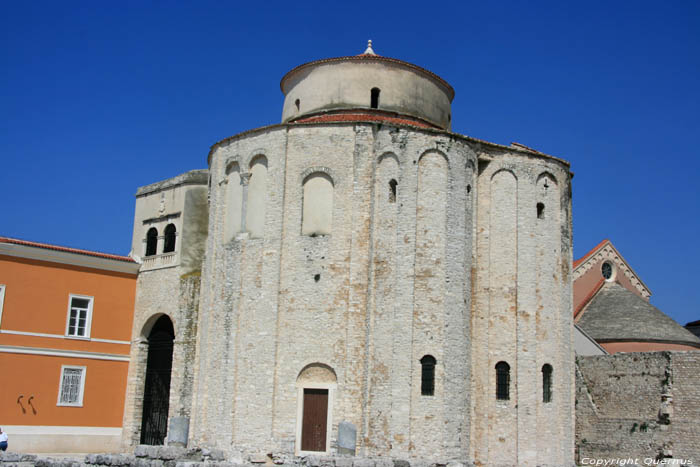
(546, 383)
(169, 243)
(375, 98)
(392, 190)
(502, 381)
(151, 241)
(427, 375)
(317, 214)
(540, 210)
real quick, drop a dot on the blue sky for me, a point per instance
(98, 98)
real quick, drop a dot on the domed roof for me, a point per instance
(366, 81)
(617, 314)
(367, 56)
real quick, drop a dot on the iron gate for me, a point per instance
(156, 395)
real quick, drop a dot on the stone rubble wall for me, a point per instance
(162, 456)
(638, 405)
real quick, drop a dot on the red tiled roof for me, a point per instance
(589, 297)
(585, 257)
(363, 117)
(66, 249)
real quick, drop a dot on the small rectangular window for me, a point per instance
(2, 301)
(72, 386)
(79, 316)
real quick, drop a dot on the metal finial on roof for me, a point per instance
(369, 50)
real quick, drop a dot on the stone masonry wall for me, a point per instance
(521, 312)
(638, 405)
(393, 282)
(271, 306)
(162, 292)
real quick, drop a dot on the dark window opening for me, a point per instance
(540, 210)
(151, 241)
(317, 277)
(502, 381)
(169, 241)
(606, 270)
(375, 98)
(469, 189)
(297, 103)
(427, 381)
(546, 383)
(392, 190)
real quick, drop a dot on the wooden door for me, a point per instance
(314, 422)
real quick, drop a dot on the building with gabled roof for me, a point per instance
(611, 305)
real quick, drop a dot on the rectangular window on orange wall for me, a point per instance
(72, 386)
(2, 301)
(79, 316)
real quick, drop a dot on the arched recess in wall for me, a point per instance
(317, 210)
(387, 179)
(257, 197)
(234, 201)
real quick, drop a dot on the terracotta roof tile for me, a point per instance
(66, 249)
(585, 257)
(363, 117)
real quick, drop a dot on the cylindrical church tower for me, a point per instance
(359, 290)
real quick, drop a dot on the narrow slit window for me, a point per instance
(392, 190)
(375, 98)
(546, 383)
(427, 382)
(169, 240)
(297, 103)
(540, 210)
(151, 241)
(502, 381)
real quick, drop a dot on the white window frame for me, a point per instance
(88, 320)
(79, 402)
(2, 300)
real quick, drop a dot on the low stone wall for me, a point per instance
(161, 456)
(640, 406)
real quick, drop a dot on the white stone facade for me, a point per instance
(424, 243)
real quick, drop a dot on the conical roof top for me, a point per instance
(618, 314)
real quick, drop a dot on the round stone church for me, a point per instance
(358, 280)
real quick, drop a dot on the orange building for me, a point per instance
(65, 332)
(611, 306)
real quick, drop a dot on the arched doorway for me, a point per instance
(316, 385)
(156, 394)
